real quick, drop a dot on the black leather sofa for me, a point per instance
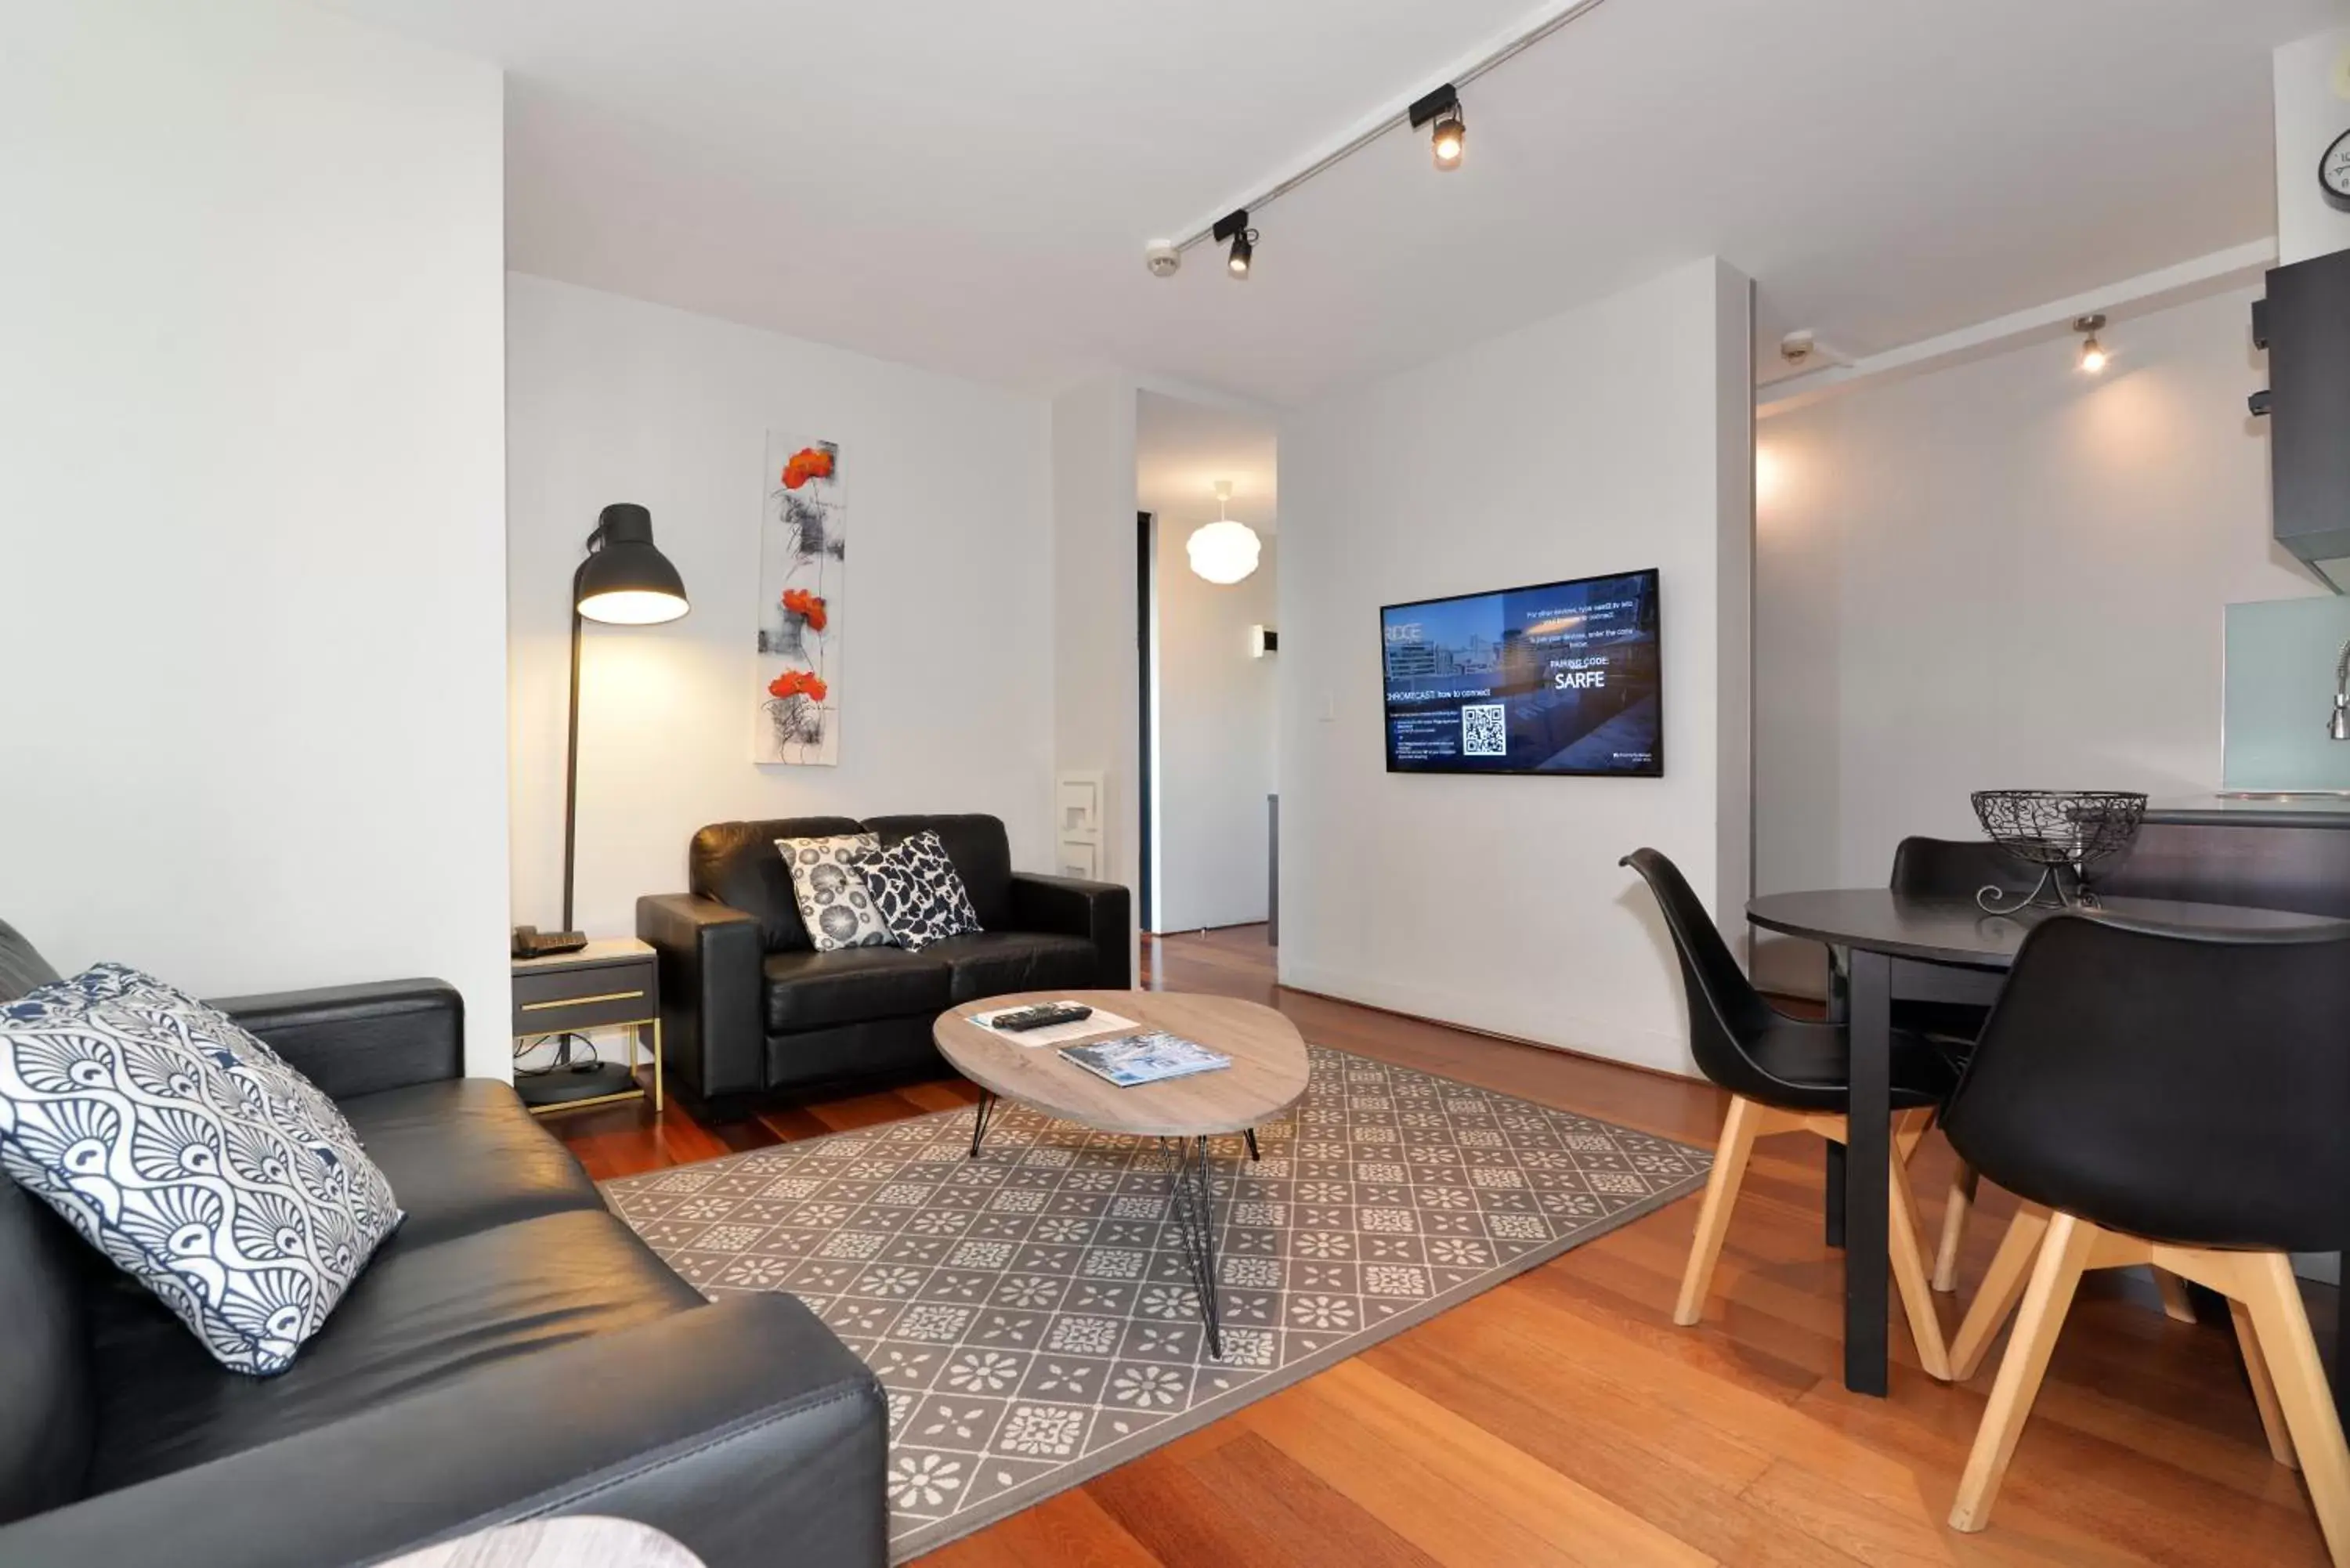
(749, 1008)
(513, 1351)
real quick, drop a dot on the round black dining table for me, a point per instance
(1873, 927)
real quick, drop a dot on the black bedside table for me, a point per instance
(610, 983)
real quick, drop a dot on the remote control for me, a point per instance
(1041, 1017)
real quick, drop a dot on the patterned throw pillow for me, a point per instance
(190, 1155)
(917, 891)
(834, 905)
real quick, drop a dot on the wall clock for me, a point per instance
(2333, 173)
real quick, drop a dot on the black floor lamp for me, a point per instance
(624, 581)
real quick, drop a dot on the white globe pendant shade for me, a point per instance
(1224, 552)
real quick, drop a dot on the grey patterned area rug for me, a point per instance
(1031, 1312)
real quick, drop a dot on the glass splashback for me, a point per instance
(2281, 655)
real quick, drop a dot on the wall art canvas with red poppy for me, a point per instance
(803, 583)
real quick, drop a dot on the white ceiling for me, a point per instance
(1181, 448)
(970, 186)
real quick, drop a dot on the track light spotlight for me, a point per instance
(1234, 226)
(2092, 353)
(1444, 107)
(1445, 142)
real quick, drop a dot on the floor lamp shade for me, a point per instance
(625, 581)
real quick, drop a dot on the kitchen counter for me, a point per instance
(2281, 810)
(2279, 852)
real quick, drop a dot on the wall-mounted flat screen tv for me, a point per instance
(1559, 678)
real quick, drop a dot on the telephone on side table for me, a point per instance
(530, 943)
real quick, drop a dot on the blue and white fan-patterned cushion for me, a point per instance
(915, 887)
(833, 904)
(190, 1155)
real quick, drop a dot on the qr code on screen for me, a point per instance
(1484, 732)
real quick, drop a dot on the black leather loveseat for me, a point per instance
(513, 1351)
(749, 1008)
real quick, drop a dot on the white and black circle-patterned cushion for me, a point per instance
(833, 904)
(190, 1155)
(915, 887)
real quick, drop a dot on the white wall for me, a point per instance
(251, 417)
(1096, 723)
(948, 623)
(1214, 738)
(1609, 438)
(2006, 574)
(2312, 107)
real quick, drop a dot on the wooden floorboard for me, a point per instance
(1562, 1419)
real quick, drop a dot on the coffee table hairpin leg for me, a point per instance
(1190, 1209)
(979, 1120)
(1251, 1135)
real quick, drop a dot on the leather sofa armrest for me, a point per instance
(1101, 912)
(713, 1037)
(358, 1039)
(745, 1429)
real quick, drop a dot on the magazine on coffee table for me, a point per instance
(1151, 1057)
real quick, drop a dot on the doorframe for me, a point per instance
(1146, 623)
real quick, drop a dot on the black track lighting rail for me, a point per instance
(1409, 116)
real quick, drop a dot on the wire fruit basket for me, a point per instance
(2056, 830)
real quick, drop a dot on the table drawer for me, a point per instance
(583, 999)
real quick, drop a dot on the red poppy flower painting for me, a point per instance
(803, 585)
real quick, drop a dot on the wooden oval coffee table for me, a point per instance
(1268, 1075)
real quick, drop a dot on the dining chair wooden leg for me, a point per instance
(2054, 1277)
(2177, 1305)
(2264, 1395)
(1909, 1277)
(2001, 1288)
(2281, 1325)
(1956, 1206)
(1739, 1131)
(1909, 1130)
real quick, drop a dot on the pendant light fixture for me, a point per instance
(1224, 552)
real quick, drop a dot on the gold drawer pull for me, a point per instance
(582, 1001)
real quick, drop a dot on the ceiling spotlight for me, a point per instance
(1445, 142)
(2092, 353)
(1234, 226)
(1444, 107)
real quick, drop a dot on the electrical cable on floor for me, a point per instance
(573, 1052)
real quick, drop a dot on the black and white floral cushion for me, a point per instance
(833, 904)
(915, 887)
(190, 1155)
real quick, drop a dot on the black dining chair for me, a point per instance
(1784, 1075)
(1952, 868)
(2174, 1098)
(1960, 869)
